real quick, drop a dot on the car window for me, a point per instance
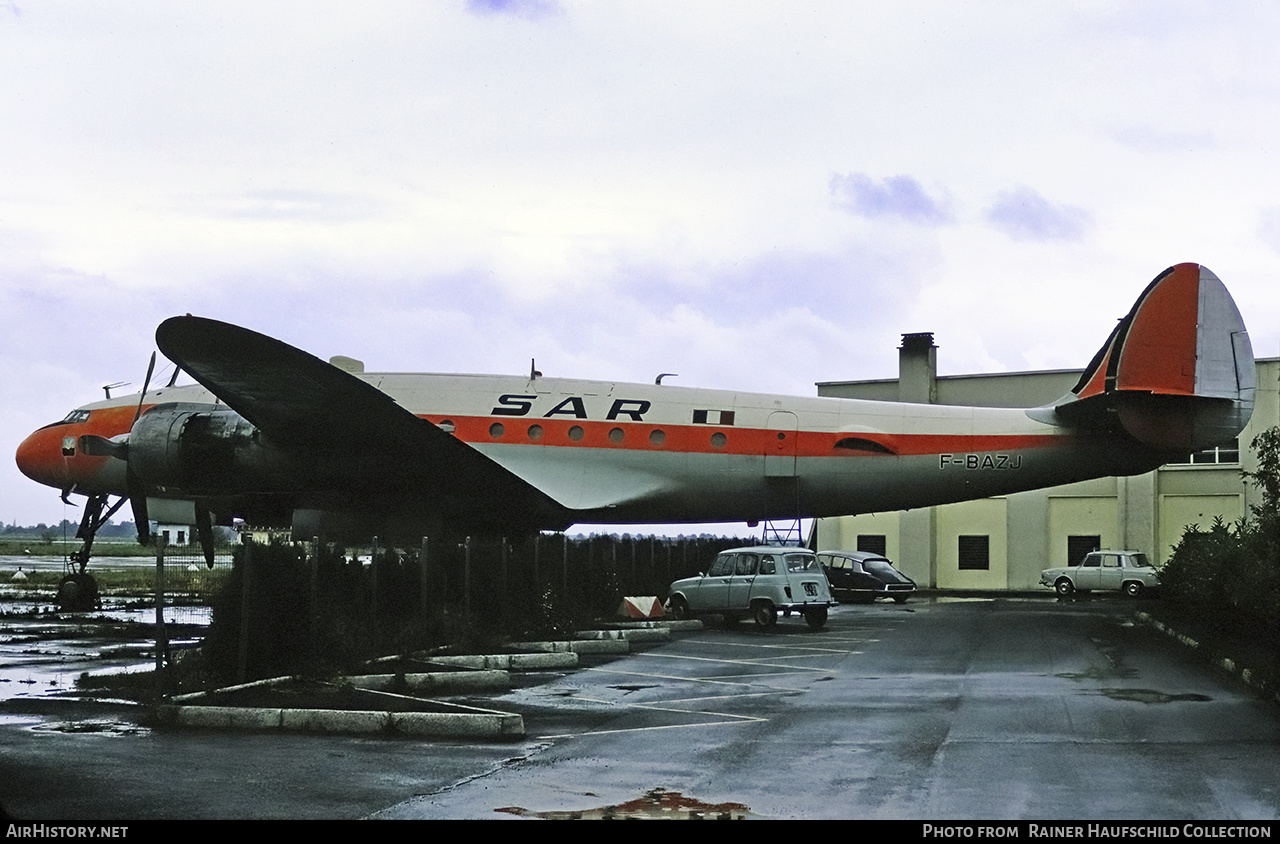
(768, 565)
(1139, 561)
(722, 566)
(801, 562)
(879, 567)
(1111, 561)
(1092, 561)
(746, 564)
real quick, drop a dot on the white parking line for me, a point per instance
(744, 662)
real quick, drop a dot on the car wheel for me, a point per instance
(1133, 589)
(816, 618)
(679, 608)
(1064, 587)
(764, 614)
(899, 599)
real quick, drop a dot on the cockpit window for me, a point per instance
(76, 416)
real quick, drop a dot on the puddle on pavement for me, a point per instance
(93, 727)
(656, 804)
(1151, 696)
(42, 651)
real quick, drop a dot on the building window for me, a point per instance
(1211, 456)
(872, 542)
(1078, 546)
(975, 553)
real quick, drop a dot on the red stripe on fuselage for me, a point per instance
(698, 439)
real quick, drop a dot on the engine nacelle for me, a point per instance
(203, 452)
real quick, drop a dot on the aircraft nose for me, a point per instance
(43, 457)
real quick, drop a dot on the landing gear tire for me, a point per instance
(1132, 589)
(816, 618)
(78, 593)
(1063, 587)
(765, 615)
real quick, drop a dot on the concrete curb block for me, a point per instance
(443, 681)
(585, 646)
(636, 635)
(1248, 676)
(511, 662)
(657, 624)
(480, 724)
(688, 624)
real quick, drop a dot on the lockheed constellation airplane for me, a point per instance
(271, 434)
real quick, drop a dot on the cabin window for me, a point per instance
(657, 437)
(446, 425)
(718, 440)
(615, 435)
(975, 553)
(496, 430)
(575, 433)
(535, 432)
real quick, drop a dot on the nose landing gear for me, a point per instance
(78, 591)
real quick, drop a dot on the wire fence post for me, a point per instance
(162, 635)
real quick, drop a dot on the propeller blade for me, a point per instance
(146, 382)
(204, 530)
(138, 501)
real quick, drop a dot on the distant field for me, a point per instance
(101, 548)
(134, 581)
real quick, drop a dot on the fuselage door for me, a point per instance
(780, 445)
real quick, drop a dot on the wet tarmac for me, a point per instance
(995, 708)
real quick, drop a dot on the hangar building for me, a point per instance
(1004, 542)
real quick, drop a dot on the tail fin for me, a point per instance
(1177, 373)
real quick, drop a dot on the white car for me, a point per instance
(1127, 571)
(760, 582)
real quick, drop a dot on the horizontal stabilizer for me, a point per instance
(1177, 373)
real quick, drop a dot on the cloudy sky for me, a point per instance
(754, 195)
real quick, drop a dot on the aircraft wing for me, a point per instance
(354, 440)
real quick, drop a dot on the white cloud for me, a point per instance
(1024, 214)
(895, 196)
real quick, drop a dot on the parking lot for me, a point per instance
(1013, 708)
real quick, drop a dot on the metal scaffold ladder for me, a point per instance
(782, 532)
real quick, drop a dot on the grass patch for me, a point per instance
(132, 581)
(61, 548)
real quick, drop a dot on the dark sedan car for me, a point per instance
(862, 576)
